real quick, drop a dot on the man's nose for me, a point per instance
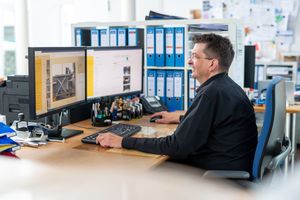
(190, 61)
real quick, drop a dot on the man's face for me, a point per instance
(200, 63)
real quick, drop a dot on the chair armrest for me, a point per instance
(229, 174)
(282, 156)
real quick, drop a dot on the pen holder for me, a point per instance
(101, 122)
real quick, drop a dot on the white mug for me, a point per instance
(3, 119)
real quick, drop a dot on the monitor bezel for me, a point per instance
(31, 70)
(132, 93)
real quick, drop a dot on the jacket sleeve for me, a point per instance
(191, 134)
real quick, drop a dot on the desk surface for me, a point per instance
(74, 152)
(289, 109)
(74, 170)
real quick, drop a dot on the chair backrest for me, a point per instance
(273, 130)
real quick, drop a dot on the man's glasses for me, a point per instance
(195, 56)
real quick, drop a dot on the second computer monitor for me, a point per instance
(114, 71)
(56, 79)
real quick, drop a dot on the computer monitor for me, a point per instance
(114, 71)
(57, 79)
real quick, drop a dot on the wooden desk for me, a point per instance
(290, 127)
(73, 170)
(74, 152)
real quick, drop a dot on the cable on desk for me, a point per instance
(90, 128)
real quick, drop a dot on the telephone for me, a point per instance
(152, 104)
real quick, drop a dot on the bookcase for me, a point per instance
(233, 30)
(267, 70)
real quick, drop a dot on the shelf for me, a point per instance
(164, 68)
(234, 33)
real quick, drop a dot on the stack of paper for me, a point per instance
(7, 145)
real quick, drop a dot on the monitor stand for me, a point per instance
(63, 133)
(66, 133)
(59, 133)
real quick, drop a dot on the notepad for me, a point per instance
(6, 130)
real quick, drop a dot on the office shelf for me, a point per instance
(288, 70)
(234, 32)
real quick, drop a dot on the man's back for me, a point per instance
(217, 132)
(232, 140)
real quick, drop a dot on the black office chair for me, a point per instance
(273, 147)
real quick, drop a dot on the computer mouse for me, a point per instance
(153, 119)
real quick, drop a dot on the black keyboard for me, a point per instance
(124, 130)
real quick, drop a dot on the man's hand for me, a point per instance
(167, 117)
(109, 140)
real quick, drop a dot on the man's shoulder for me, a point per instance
(221, 86)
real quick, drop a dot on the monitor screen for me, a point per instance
(114, 71)
(57, 79)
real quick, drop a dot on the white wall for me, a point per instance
(296, 26)
(144, 6)
(50, 21)
(44, 23)
(181, 8)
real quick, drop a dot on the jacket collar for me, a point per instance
(220, 75)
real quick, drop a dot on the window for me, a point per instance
(9, 62)
(9, 34)
(7, 38)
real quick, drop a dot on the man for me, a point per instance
(218, 131)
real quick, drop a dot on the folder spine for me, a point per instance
(95, 37)
(160, 46)
(151, 83)
(170, 90)
(113, 37)
(192, 86)
(178, 89)
(135, 37)
(179, 46)
(104, 38)
(150, 46)
(160, 81)
(78, 37)
(122, 37)
(170, 44)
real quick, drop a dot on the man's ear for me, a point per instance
(214, 65)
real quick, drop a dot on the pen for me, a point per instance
(57, 140)
(95, 110)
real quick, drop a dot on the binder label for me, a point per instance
(122, 38)
(151, 86)
(104, 38)
(178, 86)
(169, 43)
(191, 87)
(94, 39)
(170, 86)
(150, 43)
(179, 43)
(159, 41)
(160, 86)
(132, 37)
(113, 37)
